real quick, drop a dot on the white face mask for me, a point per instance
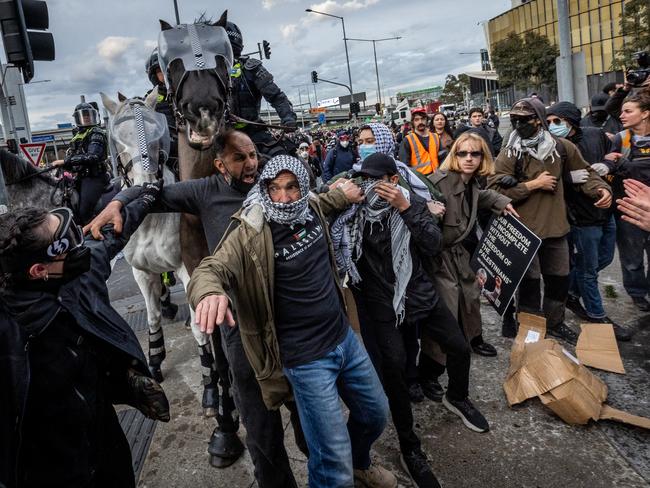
(345, 144)
(303, 154)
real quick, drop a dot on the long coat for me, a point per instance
(455, 280)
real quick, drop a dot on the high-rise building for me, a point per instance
(595, 30)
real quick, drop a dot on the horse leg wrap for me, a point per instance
(157, 353)
(210, 401)
(169, 309)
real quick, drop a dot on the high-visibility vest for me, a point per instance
(426, 162)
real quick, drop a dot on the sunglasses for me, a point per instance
(554, 121)
(522, 119)
(474, 154)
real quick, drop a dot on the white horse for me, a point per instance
(139, 138)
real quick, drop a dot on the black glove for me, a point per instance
(508, 181)
(150, 192)
(148, 396)
(290, 123)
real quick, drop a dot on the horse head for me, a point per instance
(196, 60)
(138, 137)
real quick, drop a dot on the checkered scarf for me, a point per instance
(283, 213)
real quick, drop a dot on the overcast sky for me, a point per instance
(103, 45)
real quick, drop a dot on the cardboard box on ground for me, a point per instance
(543, 368)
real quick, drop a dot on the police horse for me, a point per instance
(139, 142)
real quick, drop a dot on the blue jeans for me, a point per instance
(334, 449)
(633, 245)
(592, 251)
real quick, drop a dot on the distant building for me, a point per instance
(424, 94)
(595, 30)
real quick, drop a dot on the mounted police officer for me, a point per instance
(164, 106)
(86, 157)
(250, 82)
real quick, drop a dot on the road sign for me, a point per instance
(329, 102)
(43, 138)
(321, 118)
(317, 110)
(33, 152)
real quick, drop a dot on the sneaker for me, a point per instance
(432, 390)
(415, 393)
(573, 304)
(484, 349)
(621, 333)
(563, 332)
(509, 325)
(375, 477)
(471, 417)
(641, 303)
(417, 467)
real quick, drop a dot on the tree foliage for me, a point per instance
(635, 26)
(454, 89)
(525, 61)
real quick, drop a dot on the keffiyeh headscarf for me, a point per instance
(283, 213)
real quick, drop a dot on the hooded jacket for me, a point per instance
(338, 160)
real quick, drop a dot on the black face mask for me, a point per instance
(76, 263)
(599, 116)
(525, 130)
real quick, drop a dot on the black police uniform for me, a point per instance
(86, 156)
(250, 82)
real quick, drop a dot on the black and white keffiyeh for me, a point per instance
(283, 213)
(540, 146)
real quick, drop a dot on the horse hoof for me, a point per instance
(169, 310)
(156, 372)
(224, 448)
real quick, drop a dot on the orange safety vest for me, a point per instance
(426, 162)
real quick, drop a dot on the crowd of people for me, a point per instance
(386, 218)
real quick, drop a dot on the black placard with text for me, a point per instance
(502, 257)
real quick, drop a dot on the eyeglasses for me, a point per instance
(474, 154)
(554, 121)
(522, 119)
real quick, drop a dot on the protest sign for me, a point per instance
(502, 257)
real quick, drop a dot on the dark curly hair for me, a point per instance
(21, 231)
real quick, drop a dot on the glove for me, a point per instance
(148, 396)
(601, 168)
(579, 176)
(508, 181)
(150, 192)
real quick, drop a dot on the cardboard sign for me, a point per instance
(33, 152)
(502, 258)
(597, 348)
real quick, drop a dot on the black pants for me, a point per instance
(440, 325)
(264, 430)
(90, 190)
(387, 350)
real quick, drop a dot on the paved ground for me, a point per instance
(526, 447)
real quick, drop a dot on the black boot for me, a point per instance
(224, 448)
(169, 309)
(210, 401)
(157, 354)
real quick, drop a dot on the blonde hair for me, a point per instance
(451, 162)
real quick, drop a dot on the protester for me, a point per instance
(215, 199)
(629, 160)
(311, 162)
(529, 171)
(66, 356)
(456, 179)
(340, 158)
(440, 125)
(592, 240)
(477, 123)
(598, 116)
(419, 149)
(635, 206)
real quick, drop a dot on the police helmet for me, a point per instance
(152, 66)
(85, 115)
(236, 39)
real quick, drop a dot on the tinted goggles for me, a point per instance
(521, 119)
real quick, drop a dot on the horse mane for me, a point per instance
(15, 168)
(203, 19)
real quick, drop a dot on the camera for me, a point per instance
(638, 76)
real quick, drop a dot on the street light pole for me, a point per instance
(178, 19)
(374, 48)
(345, 41)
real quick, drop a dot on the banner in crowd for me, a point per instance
(502, 257)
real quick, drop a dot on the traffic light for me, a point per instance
(266, 45)
(355, 108)
(314, 77)
(378, 108)
(23, 46)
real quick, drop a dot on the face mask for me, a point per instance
(303, 154)
(345, 144)
(76, 263)
(599, 116)
(366, 150)
(561, 130)
(375, 202)
(526, 130)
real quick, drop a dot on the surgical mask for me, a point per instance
(366, 150)
(526, 130)
(561, 130)
(344, 144)
(303, 154)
